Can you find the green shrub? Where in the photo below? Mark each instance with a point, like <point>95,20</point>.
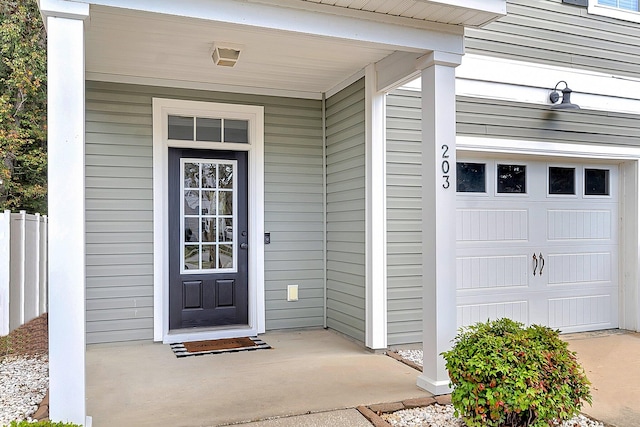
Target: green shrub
<point>40,424</point>
<point>503,374</point>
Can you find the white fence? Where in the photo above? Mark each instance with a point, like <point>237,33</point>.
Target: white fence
<point>23,268</point>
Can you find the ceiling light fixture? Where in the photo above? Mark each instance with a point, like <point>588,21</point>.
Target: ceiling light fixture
<point>225,55</point>
<point>566,104</point>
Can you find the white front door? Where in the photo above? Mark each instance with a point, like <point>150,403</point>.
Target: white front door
<point>537,241</point>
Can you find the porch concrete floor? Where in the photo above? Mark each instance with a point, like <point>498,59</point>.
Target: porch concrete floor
<point>144,384</point>
<point>611,361</point>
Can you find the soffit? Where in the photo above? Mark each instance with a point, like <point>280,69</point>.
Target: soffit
<point>305,47</point>
<point>125,44</point>
<point>477,13</point>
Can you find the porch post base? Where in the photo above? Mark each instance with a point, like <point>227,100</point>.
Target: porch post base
<point>434,387</point>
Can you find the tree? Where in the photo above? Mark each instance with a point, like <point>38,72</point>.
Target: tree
<point>23,103</point>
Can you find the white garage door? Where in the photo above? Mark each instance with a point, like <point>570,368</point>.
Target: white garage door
<point>537,241</point>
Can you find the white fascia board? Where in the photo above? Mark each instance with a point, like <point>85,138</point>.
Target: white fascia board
<point>520,81</point>
<point>310,18</point>
<point>554,149</point>
<point>402,67</point>
<point>491,6</point>
<point>521,73</point>
<point>63,9</point>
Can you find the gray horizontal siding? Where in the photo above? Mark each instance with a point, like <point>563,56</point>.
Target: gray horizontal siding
<point>511,120</point>
<point>404,218</point>
<point>550,32</point>
<point>346,212</point>
<point>119,228</point>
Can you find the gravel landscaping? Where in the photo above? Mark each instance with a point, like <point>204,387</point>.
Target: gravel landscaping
<point>24,371</point>
<point>442,415</point>
<point>24,382</point>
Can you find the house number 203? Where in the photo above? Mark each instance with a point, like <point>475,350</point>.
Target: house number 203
<point>445,166</point>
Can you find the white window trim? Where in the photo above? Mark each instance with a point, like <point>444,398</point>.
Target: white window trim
<point>613,12</point>
<point>255,149</point>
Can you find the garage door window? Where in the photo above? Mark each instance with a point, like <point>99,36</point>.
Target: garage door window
<point>471,177</point>
<point>562,180</point>
<point>512,179</point>
<point>596,182</point>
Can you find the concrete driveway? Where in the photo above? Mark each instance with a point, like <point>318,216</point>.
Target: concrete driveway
<point>611,360</point>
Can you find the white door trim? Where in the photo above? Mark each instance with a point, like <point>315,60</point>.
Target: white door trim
<point>255,149</point>
<point>629,185</point>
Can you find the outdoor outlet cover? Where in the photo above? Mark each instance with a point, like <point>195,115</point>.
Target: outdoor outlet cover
<point>292,293</point>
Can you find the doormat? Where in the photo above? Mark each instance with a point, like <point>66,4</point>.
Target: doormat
<point>226,345</point>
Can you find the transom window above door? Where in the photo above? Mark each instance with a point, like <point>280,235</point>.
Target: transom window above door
<point>207,129</point>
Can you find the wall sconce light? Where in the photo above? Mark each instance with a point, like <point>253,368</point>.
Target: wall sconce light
<point>566,98</point>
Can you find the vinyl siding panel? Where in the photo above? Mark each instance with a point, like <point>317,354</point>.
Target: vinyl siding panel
<point>404,218</point>
<point>512,120</point>
<point>475,117</point>
<point>550,32</point>
<point>346,211</point>
<point>119,228</point>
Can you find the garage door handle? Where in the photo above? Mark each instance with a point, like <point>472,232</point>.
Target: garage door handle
<point>535,264</point>
<point>542,263</point>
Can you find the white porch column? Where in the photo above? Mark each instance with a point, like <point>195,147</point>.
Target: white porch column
<point>66,124</point>
<point>438,215</point>
<point>376,216</point>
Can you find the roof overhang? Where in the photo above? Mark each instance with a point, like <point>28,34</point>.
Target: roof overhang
<point>298,48</point>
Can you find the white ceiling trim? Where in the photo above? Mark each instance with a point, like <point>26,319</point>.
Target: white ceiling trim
<point>345,83</point>
<point>215,87</point>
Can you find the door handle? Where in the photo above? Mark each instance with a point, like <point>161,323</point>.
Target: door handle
<point>542,262</point>
<point>244,246</point>
<point>535,263</point>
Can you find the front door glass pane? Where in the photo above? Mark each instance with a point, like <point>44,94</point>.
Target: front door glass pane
<point>207,215</point>
<point>596,182</point>
<point>209,174</point>
<point>191,202</point>
<point>225,203</point>
<point>208,202</point>
<point>225,256</point>
<point>512,179</point>
<point>562,180</point>
<point>191,230</point>
<point>470,177</point>
<point>225,176</point>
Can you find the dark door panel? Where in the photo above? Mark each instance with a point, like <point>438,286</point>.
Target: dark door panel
<point>208,234</point>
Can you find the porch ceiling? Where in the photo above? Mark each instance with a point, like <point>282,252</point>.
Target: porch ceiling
<point>134,46</point>
<point>296,47</point>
